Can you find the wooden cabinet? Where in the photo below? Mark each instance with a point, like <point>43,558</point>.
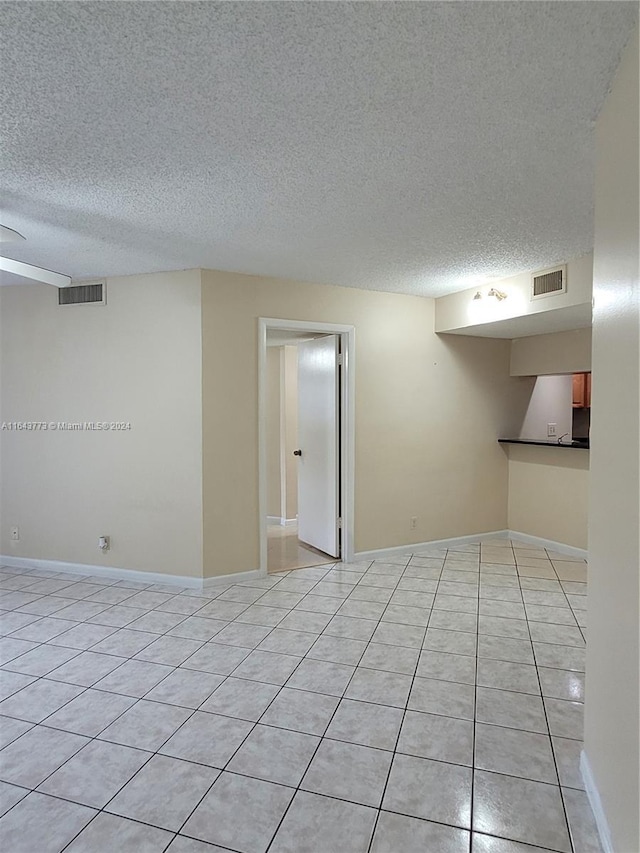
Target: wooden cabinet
<point>581,390</point>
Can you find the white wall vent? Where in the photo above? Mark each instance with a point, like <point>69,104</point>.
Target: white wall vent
<point>549,282</point>
<point>88,293</point>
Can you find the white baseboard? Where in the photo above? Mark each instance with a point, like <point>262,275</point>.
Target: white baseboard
<point>237,577</point>
<point>596,803</point>
<point>274,519</point>
<point>380,553</point>
<point>560,547</point>
<point>283,522</point>
<point>101,571</point>
<point>130,574</point>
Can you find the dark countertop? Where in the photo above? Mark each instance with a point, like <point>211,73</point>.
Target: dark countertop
<point>578,445</point>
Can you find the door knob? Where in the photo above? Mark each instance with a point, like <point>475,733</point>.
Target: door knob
<point>297,453</point>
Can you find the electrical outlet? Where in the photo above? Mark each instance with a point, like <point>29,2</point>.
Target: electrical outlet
<point>15,534</point>
<point>552,430</point>
<point>104,543</point>
<point>413,523</point>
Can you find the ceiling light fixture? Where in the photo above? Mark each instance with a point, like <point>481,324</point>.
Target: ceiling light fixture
<point>499,294</point>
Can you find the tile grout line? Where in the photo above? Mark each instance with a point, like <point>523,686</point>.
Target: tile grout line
<point>546,717</point>
<point>404,711</point>
<point>340,698</point>
<point>475,709</point>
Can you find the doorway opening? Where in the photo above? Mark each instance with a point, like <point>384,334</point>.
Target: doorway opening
<point>305,443</point>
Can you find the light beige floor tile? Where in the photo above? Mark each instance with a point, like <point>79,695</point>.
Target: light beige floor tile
<point>90,712</point>
<point>146,725</point>
<point>185,687</point>
<point>348,771</point>
<point>36,754</point>
<point>131,835</point>
<point>515,710</point>
<point>390,658</point>
<point>570,571</point>
<point>515,753</point>
<point>567,753</point>
<point>240,811</point>
<point>351,628</point>
<point>270,667</point>
<point>42,823</point>
<point>9,796</point>
<point>301,711</point>
<point>447,667</point>
<point>164,792</point>
<point>315,823</point>
<point>582,823</point>
<point>321,677</point>
<point>432,790</point>
<point>562,684</point>
<point>337,650</point>
<point>366,724</point>
<point>385,688</point>
<point>409,636</point>
<point>520,809</point>
<point>437,737</point>
<point>95,774</point>
<point>491,844</point>
<point>237,697</point>
<point>453,642</point>
<point>207,739</point>
<point>275,755</point>
<point>442,697</point>
<point>565,718</point>
<point>396,832</point>
<point>36,701</point>
<point>560,657</point>
<point>505,648</point>
<point>134,678</point>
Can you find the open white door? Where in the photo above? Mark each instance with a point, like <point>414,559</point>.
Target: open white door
<point>318,442</point>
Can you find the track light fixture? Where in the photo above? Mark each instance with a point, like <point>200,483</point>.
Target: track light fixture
<point>499,294</point>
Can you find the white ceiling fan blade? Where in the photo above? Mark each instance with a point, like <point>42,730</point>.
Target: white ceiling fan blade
<point>8,235</point>
<point>57,279</point>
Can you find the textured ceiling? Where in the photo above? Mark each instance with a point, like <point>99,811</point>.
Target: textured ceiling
<point>407,147</point>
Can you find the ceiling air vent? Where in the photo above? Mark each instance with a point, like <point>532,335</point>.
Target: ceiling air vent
<point>549,282</point>
<point>89,293</point>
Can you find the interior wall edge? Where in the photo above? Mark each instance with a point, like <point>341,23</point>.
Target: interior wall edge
<point>593,795</point>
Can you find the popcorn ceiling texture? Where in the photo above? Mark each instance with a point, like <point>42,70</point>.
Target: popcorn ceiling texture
<point>395,146</point>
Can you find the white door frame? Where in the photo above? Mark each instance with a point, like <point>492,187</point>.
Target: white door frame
<point>347,425</point>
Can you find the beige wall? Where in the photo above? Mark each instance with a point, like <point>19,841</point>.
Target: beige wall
<point>550,402</point>
<point>273,431</point>
<point>428,412</point>
<point>460,310</point>
<point>613,660</point>
<point>562,352</point>
<point>549,492</point>
<point>136,359</point>
<point>290,416</point>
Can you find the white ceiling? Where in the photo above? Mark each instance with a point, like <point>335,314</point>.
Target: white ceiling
<point>396,146</point>
<point>545,322</point>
